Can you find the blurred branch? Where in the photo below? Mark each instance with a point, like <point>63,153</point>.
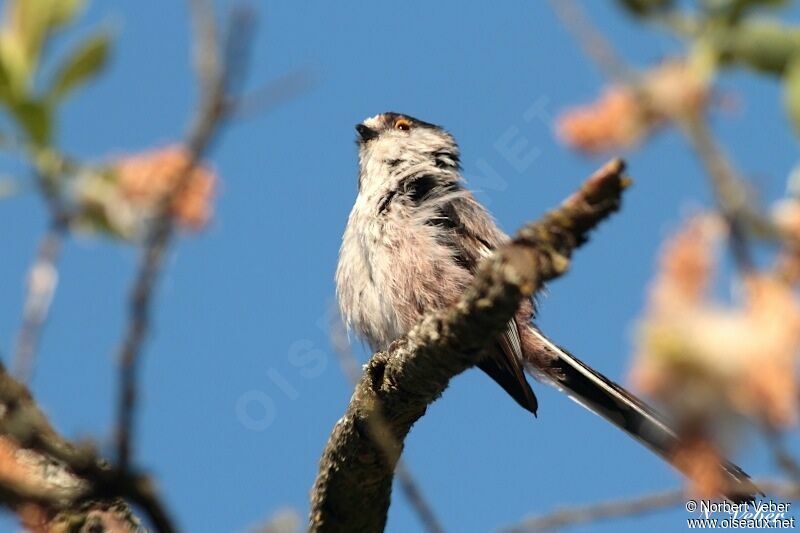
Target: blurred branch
<point>593,43</point>
<point>272,94</point>
<point>568,516</point>
<point>41,285</point>
<point>729,188</point>
<point>83,477</point>
<point>213,77</point>
<point>43,273</point>
<point>97,485</point>
<point>379,433</point>
<point>399,384</point>
<point>782,456</point>
<point>283,521</point>
<point>649,503</point>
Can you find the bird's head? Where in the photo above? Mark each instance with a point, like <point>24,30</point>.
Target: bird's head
<point>390,144</point>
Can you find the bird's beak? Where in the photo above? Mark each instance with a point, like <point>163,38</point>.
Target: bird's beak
<point>365,133</point>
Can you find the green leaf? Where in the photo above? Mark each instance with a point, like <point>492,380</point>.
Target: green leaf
<point>6,88</point>
<point>744,5</point>
<point>766,46</point>
<point>34,117</point>
<point>791,92</point>
<point>62,12</point>
<point>27,27</point>
<point>85,62</point>
<point>643,8</point>
<point>733,11</point>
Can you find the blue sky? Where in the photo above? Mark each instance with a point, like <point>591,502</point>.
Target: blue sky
<point>243,303</point>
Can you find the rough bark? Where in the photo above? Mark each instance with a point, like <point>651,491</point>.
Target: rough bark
<point>55,485</point>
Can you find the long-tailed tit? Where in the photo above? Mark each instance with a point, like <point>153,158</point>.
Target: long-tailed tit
<point>412,243</point>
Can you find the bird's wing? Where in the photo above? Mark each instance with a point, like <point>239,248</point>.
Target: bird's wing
<point>472,234</point>
<point>507,370</point>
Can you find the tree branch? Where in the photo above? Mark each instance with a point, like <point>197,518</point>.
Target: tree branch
<point>408,484</point>
<point>729,188</point>
<point>75,475</point>
<point>41,285</point>
<point>43,273</point>
<point>593,43</point>
<point>214,77</point>
<point>399,384</point>
<point>639,505</point>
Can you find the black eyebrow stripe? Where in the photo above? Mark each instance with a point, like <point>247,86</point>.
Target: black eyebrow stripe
<point>392,116</point>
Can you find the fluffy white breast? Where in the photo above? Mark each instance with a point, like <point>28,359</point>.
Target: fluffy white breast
<point>361,277</point>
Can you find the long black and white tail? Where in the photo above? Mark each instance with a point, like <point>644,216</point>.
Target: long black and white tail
<point>609,400</point>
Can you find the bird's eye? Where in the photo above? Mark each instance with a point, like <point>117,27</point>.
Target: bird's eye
<point>402,124</point>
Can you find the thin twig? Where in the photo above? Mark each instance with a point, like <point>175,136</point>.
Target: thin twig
<point>783,457</point>
<point>416,498</point>
<point>729,189</point>
<point>49,166</point>
<point>408,484</point>
<point>269,96</point>
<point>568,516</point>
<point>41,285</point>
<point>638,505</point>
<point>220,70</point>
<point>593,43</point>
<point>207,123</point>
<point>26,424</point>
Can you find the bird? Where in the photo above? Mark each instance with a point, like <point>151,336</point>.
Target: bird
<point>412,244</point>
